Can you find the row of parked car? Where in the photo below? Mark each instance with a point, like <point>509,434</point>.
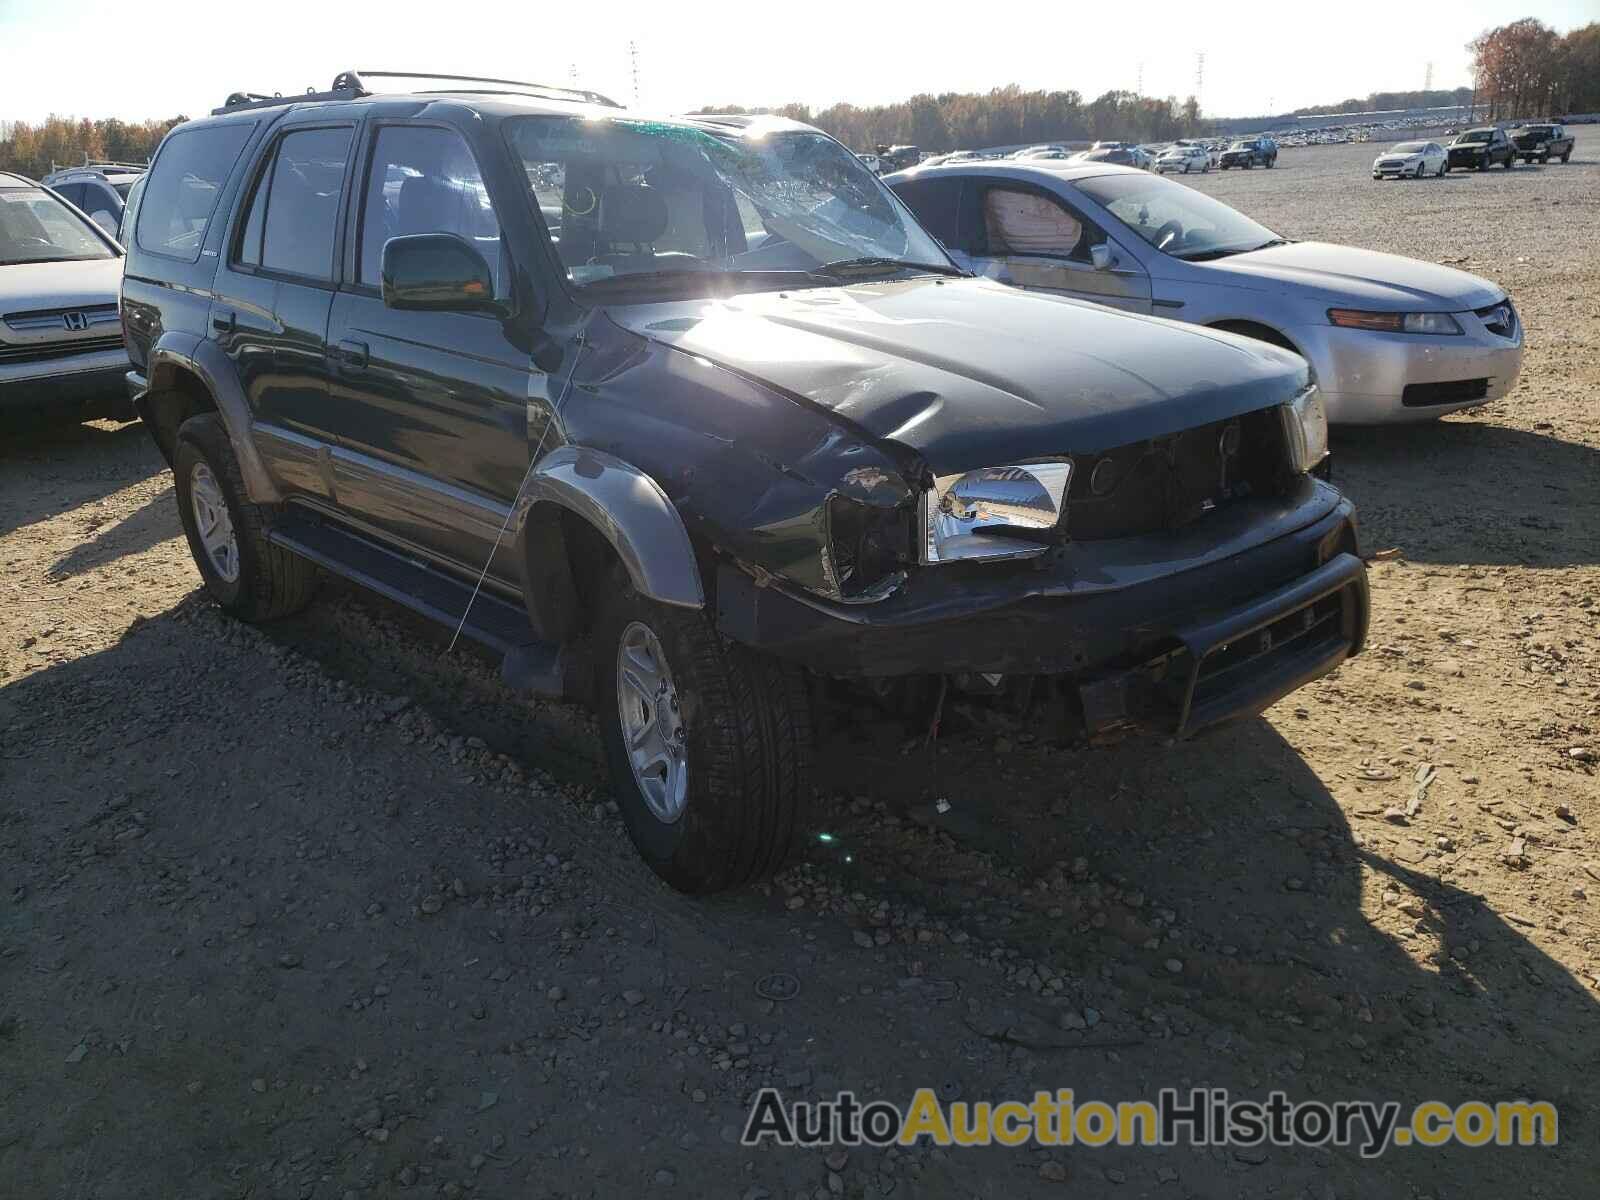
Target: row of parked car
<point>694,418</point>
<point>1476,149</point>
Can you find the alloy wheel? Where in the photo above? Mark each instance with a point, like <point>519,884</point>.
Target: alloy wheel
<point>652,722</point>
<point>213,522</point>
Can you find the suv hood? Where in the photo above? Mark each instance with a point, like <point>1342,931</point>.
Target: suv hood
<point>28,286</point>
<point>1362,278</point>
<point>971,373</point>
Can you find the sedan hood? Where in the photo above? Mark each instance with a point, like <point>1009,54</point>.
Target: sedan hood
<point>25,287</point>
<point>1360,278</point>
<point>970,373</point>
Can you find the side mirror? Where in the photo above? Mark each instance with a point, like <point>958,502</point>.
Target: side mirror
<point>437,272</point>
<point>1101,257</point>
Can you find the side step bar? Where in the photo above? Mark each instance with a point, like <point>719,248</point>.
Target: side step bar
<point>529,664</point>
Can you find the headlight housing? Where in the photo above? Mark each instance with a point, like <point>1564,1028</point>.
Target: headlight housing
<point>1387,322</point>
<point>1305,428</point>
<point>990,513</point>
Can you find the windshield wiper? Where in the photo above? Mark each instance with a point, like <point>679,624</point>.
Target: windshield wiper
<point>1229,251</point>
<point>868,262</point>
<point>681,274</point>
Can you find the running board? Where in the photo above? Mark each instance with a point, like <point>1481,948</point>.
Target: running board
<point>529,664</point>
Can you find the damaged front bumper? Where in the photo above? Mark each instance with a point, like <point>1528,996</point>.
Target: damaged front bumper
<point>1174,632</point>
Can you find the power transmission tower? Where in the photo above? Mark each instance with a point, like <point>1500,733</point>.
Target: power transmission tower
<point>1138,87</point>
<point>1199,74</point>
<point>1427,79</point>
<point>633,56</point>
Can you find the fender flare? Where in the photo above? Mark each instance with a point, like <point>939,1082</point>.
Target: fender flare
<point>630,511</point>
<point>174,352</point>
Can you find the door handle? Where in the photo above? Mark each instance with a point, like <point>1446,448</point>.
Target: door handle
<point>352,355</point>
<point>225,322</point>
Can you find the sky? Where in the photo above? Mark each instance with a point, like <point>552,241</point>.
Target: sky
<point>157,59</point>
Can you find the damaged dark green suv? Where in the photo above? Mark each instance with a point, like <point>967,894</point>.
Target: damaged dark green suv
<point>679,414</point>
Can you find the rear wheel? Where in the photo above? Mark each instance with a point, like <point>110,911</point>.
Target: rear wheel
<point>1511,161</point>
<point>708,744</point>
<point>1567,156</point>
<point>245,574</point>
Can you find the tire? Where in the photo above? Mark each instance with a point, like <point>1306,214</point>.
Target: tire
<point>257,581</point>
<point>742,721</point>
<point>1567,157</point>
<point>1511,161</point>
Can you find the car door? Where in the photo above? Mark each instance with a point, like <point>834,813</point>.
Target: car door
<point>273,294</point>
<point>433,405</point>
<point>1024,235</point>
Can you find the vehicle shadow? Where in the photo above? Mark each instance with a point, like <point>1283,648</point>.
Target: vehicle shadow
<point>1294,952</point>
<point>1530,495</point>
<point>117,455</point>
<point>153,521</point>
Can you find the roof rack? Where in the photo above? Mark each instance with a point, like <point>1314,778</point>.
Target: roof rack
<point>352,85</point>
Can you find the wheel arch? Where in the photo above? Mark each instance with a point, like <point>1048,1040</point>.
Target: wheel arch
<point>585,509</point>
<point>1260,330</point>
<point>189,375</point>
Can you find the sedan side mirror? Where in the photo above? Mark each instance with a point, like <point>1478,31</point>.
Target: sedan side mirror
<point>437,272</point>
<point>1101,257</point>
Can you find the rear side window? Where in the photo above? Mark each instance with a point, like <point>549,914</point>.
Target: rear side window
<point>295,209</point>
<point>184,186</point>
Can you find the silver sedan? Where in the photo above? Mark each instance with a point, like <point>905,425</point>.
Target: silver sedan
<point>1387,338</point>
<point>1411,160</point>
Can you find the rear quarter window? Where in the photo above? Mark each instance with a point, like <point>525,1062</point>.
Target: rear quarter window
<point>184,186</point>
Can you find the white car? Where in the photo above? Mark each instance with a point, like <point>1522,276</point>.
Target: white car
<point>1411,160</point>
<point>1183,158</point>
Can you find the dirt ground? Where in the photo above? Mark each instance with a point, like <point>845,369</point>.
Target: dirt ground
<point>315,910</point>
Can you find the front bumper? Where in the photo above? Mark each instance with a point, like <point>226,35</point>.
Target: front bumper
<point>81,387</point>
<point>1364,375</point>
<point>1173,631</point>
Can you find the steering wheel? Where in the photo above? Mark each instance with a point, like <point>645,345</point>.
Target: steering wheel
<point>1168,234</point>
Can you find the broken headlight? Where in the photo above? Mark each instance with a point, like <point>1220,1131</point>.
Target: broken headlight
<point>993,512</point>
<point>1305,428</point>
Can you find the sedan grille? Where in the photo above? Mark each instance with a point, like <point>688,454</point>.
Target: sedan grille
<point>1169,482</point>
<point>1498,318</point>
<point>1457,391</point>
<point>56,320</point>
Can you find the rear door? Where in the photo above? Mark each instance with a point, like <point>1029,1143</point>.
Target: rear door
<point>433,406</point>
<point>274,292</point>
<point>1032,238</point>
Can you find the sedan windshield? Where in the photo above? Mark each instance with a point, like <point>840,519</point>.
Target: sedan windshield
<point>35,227</point>
<point>1175,219</point>
<point>647,203</point>
<point>1409,148</point>
<point>1477,135</point>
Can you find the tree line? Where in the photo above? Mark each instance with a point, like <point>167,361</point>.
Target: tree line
<point>35,150</point>
<point>1391,101</point>
<point>1528,70</point>
<point>1005,116</point>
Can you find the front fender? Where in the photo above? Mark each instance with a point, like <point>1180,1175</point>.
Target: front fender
<point>176,352</point>
<point>631,511</point>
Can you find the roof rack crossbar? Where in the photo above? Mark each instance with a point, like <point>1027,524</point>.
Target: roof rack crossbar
<point>358,79</point>
<point>352,85</point>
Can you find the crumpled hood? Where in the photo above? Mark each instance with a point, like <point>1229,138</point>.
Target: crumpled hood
<point>28,286</point>
<point>1361,278</point>
<point>971,373</point>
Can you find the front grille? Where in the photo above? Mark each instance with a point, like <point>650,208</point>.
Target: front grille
<point>1390,164</point>
<point>1459,391</point>
<point>56,319</point>
<point>45,351</point>
<point>1168,482</point>
<point>1498,318</point>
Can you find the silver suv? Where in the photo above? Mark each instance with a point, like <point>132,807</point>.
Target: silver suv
<point>61,353</point>
<point>98,189</point>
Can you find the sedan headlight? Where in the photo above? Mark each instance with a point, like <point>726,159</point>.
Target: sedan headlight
<point>1386,322</point>
<point>1305,428</point>
<point>990,513</point>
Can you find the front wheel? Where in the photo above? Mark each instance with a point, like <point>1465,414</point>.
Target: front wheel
<point>708,743</point>
<point>1567,157</point>
<point>1511,161</point>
